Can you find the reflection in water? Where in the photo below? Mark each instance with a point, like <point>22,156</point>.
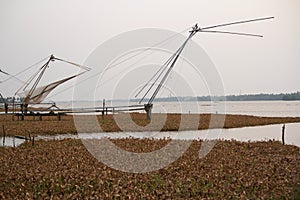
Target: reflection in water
<point>11,141</point>
<point>257,133</point>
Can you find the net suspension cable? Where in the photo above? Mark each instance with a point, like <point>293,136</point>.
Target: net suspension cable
<point>112,65</point>
<point>170,65</point>
<point>36,77</point>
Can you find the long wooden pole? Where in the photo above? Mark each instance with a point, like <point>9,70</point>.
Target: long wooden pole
<point>3,129</point>
<point>283,130</point>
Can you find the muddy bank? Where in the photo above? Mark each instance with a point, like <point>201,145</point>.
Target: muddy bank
<point>52,126</point>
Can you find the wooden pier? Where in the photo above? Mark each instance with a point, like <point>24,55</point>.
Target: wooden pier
<point>39,114</point>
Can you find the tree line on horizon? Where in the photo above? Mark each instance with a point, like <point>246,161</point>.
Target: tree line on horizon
<point>263,97</point>
<point>245,97</point>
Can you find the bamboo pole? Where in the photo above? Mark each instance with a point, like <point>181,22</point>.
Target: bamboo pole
<point>282,131</point>
<point>3,129</point>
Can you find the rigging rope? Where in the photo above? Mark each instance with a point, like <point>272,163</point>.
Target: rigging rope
<point>170,68</point>
<point>160,74</point>
<point>175,55</point>
<point>26,69</point>
<point>146,49</point>
<point>192,33</point>
<point>116,64</point>
<point>75,64</point>
<point>161,68</point>
<point>39,74</point>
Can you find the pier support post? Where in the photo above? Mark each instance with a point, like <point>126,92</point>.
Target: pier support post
<point>283,130</point>
<point>3,129</point>
<point>6,108</point>
<point>103,109</point>
<point>148,109</point>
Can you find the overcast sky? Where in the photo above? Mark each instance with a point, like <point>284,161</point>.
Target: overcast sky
<point>34,29</point>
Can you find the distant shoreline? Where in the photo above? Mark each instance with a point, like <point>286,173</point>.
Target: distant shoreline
<point>294,96</point>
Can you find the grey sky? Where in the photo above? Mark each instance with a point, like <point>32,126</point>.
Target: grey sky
<point>32,30</point>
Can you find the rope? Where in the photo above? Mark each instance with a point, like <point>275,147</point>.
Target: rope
<point>161,68</point>
<point>37,80</point>
<point>115,64</point>
<point>177,53</point>
<point>149,48</point>
<point>192,33</point>
<point>170,68</point>
<point>41,72</point>
<point>26,69</point>
<point>160,74</point>
<point>75,64</point>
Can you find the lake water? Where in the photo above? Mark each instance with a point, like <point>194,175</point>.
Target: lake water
<point>11,141</point>
<point>257,133</point>
<point>257,108</point>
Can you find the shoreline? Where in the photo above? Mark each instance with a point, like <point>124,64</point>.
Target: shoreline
<point>52,126</point>
<point>66,169</point>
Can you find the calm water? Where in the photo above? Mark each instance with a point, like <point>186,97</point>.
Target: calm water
<point>11,141</point>
<point>258,133</point>
<point>257,108</point>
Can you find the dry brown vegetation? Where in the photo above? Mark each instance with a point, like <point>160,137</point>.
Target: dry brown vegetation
<point>65,170</point>
<point>51,126</point>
